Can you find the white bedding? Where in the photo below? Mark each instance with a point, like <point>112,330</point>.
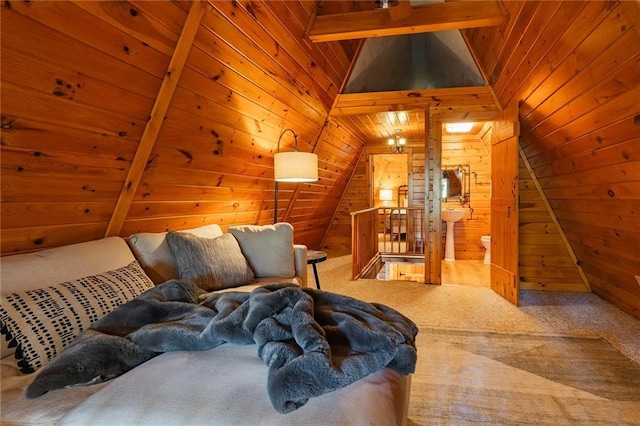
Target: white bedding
<point>224,386</point>
<point>15,409</point>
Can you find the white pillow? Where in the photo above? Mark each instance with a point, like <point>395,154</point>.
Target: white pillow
<point>267,248</point>
<point>153,253</point>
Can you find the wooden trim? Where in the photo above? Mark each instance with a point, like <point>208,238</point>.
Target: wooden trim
<point>565,241</point>
<point>409,100</point>
<point>485,77</point>
<point>432,200</point>
<point>152,128</point>
<point>424,18</point>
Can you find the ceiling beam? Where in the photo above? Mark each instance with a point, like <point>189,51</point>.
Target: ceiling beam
<point>477,99</point>
<point>424,18</point>
<point>152,128</point>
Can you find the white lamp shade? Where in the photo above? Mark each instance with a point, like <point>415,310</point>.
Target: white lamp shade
<point>295,167</point>
<point>386,195</point>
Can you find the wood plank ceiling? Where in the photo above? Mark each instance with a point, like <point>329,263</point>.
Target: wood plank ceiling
<point>83,85</point>
<point>80,81</point>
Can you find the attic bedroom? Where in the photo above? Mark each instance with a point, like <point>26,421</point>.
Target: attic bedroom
<point>138,119</point>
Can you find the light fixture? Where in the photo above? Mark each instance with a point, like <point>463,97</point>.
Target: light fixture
<point>292,167</point>
<point>385,4</point>
<point>397,144</point>
<point>458,127</point>
<point>385,196</point>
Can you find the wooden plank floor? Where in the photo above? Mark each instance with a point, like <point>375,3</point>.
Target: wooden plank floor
<point>466,272</point>
<point>461,272</point>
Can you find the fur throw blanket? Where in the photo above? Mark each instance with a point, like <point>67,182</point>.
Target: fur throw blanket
<point>312,341</point>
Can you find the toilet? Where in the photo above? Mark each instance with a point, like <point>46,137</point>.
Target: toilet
<point>486,243</point>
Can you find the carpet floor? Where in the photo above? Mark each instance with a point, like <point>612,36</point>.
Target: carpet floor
<point>558,358</point>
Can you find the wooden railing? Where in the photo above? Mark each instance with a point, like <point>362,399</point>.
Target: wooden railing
<point>401,230</point>
<point>384,231</point>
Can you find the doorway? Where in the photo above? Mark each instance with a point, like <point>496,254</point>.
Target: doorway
<point>467,155</point>
<point>389,173</point>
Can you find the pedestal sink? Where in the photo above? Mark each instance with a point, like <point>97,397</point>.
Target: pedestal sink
<point>450,216</point>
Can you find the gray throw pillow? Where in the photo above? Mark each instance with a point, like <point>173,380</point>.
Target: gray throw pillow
<point>267,248</point>
<point>210,263</point>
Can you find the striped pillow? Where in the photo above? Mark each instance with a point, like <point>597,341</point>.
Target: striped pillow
<point>42,322</point>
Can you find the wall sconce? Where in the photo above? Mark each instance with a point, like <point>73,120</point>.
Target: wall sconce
<point>385,196</point>
<point>292,167</point>
<point>397,144</point>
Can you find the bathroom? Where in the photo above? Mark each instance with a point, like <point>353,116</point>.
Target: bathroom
<point>474,149</point>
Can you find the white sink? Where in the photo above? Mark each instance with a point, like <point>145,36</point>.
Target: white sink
<point>451,216</point>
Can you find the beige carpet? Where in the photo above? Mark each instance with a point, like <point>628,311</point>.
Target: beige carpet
<point>559,358</point>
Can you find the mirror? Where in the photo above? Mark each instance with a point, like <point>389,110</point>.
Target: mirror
<point>455,182</point>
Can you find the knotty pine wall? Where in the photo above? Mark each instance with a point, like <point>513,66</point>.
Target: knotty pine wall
<point>545,262</point>
<point>461,149</point>
<point>79,85</point>
<point>575,67</point>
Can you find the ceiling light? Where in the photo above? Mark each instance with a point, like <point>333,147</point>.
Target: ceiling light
<point>458,127</point>
<point>397,144</point>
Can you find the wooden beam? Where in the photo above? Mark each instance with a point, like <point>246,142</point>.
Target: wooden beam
<point>152,128</point>
<point>408,100</point>
<point>423,18</point>
<point>401,10</point>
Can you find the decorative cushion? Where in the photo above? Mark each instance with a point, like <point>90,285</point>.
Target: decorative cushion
<point>153,253</point>
<point>210,263</point>
<point>267,248</point>
<point>42,322</point>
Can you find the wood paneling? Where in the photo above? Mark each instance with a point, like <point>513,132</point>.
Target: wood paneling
<point>75,98</point>
<point>80,80</point>
<point>576,68</point>
<point>465,149</point>
<point>545,261</point>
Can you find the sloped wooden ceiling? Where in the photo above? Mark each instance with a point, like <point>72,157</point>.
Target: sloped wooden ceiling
<point>575,69</point>
<point>80,81</point>
<point>83,83</point>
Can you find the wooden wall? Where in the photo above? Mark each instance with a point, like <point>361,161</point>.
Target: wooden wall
<point>545,260</point>
<point>82,82</point>
<point>575,67</point>
<point>461,149</point>
<point>80,87</point>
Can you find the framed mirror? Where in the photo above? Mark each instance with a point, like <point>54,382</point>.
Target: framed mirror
<point>456,183</point>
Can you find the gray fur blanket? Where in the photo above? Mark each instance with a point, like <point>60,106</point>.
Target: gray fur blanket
<point>312,341</point>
